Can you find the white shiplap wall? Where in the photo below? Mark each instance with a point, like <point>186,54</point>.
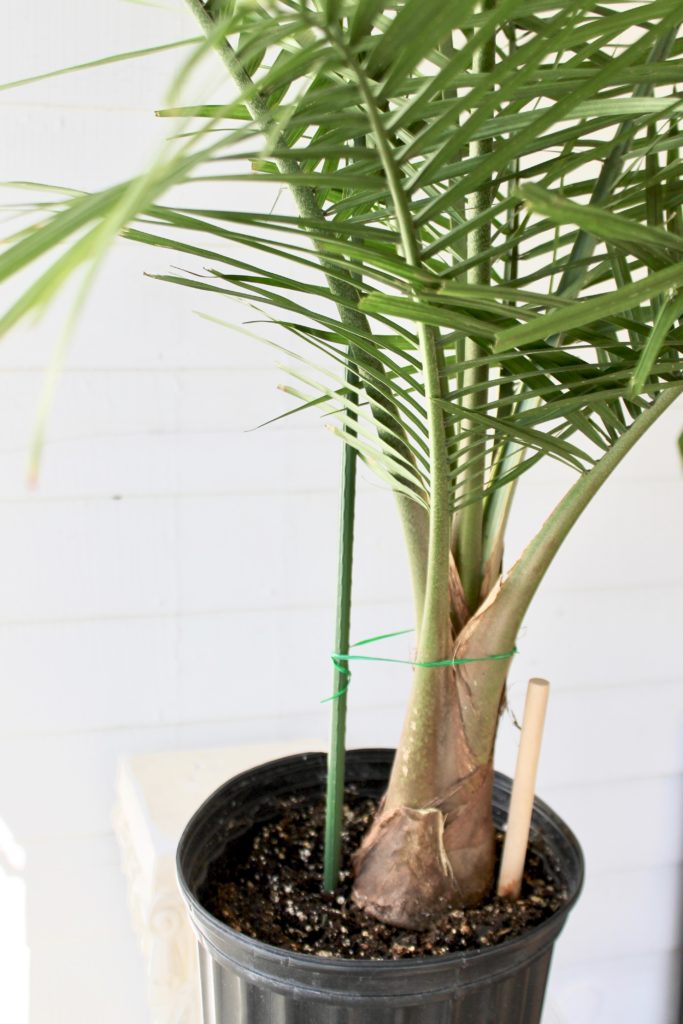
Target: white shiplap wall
<point>170,584</point>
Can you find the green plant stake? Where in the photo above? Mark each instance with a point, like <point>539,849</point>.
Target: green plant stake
<point>334,804</point>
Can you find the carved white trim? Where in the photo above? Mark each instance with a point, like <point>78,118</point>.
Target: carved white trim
<point>156,794</point>
<point>166,940</point>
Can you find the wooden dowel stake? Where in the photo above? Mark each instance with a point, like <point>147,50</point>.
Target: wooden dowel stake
<point>523,787</point>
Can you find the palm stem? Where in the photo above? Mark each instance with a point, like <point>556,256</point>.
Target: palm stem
<point>496,624</point>
<point>523,580</point>
<point>384,410</point>
<point>412,778</point>
<point>470,522</point>
<point>336,759</point>
<point>435,614</point>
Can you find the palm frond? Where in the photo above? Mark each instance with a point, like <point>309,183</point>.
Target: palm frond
<point>551,335</point>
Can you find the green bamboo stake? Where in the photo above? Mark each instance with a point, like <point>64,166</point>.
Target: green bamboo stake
<point>336,761</point>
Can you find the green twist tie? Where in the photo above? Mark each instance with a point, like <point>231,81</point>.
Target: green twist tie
<point>340,661</point>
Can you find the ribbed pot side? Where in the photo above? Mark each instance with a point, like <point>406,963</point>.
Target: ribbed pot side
<point>248,982</point>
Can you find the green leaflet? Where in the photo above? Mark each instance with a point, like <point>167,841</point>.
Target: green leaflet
<point>588,311</point>
<point>637,238</point>
<point>101,61</point>
<point>669,313</point>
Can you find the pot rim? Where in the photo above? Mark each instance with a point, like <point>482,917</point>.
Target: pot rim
<point>335,964</point>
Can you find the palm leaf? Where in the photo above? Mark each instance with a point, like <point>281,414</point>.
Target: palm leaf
<point>529,127</point>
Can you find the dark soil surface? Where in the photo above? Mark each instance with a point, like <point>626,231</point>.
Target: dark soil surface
<point>270,888</point>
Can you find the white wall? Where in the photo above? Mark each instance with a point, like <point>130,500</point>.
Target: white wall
<point>170,583</point>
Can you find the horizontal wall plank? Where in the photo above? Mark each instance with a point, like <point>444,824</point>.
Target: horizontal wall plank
<point>62,987</point>
<point>603,734</point>
<point>81,560</point>
<point>77,33</point>
<point>627,990</point>
<point>624,824</point>
<point>77,676</point>
<point>624,913</point>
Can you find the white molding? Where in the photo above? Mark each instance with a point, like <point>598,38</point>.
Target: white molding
<point>156,795</point>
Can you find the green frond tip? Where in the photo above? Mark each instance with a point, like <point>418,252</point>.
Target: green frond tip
<point>114,58</point>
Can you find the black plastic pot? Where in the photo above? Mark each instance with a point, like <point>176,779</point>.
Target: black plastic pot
<point>248,982</point>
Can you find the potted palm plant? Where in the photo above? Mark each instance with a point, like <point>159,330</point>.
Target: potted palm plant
<point>480,269</point>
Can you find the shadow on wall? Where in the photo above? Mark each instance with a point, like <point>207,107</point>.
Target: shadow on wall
<point>677,1017</point>
<point>61,896</point>
<point>14,954</point>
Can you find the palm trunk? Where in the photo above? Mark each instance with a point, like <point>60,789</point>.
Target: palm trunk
<point>431,847</point>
